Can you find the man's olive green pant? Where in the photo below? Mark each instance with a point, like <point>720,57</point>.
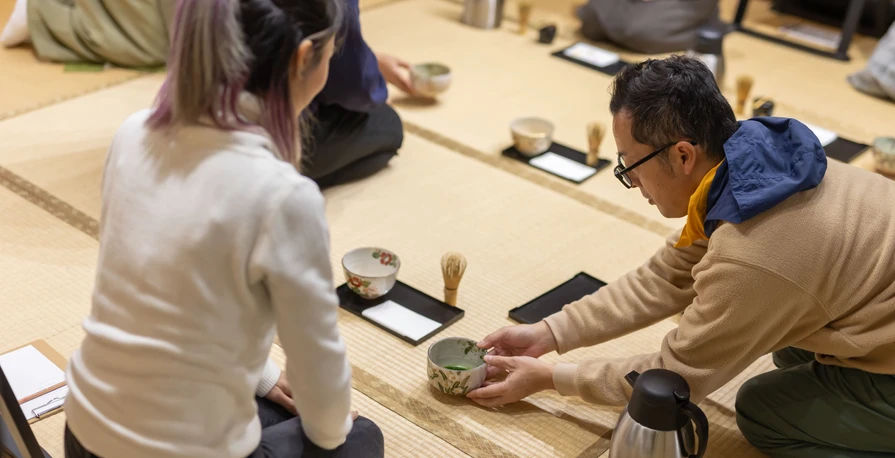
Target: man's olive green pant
<point>806,409</point>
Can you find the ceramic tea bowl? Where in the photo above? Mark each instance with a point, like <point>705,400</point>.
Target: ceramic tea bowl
<point>430,79</point>
<point>371,272</point>
<point>532,136</point>
<point>456,366</point>
<point>884,155</point>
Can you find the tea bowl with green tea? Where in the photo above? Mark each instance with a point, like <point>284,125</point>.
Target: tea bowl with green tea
<point>456,366</point>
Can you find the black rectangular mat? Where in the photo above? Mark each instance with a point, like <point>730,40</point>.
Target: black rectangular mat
<point>408,297</point>
<point>610,70</point>
<point>845,150</point>
<point>554,300</point>
<point>563,151</point>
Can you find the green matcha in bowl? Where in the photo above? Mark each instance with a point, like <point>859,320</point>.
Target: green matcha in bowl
<point>456,366</point>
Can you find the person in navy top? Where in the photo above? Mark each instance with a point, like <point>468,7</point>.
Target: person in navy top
<point>354,132</point>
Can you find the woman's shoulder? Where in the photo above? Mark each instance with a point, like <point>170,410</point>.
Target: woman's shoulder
<point>135,122</point>
<point>286,193</point>
<point>300,196</point>
<point>245,160</point>
<point>133,130</point>
<point>194,142</point>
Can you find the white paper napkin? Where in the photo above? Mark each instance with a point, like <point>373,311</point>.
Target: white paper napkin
<point>401,320</point>
<point>563,166</point>
<point>825,136</point>
<point>592,54</point>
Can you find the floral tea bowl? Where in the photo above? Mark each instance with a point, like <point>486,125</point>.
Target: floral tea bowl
<point>371,272</point>
<point>456,366</point>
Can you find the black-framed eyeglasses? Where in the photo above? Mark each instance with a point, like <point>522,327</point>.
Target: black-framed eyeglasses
<point>621,172</point>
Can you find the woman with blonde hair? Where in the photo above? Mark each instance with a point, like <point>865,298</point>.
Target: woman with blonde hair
<point>210,242</point>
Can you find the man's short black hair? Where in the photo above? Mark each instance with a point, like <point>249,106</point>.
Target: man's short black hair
<point>673,99</point>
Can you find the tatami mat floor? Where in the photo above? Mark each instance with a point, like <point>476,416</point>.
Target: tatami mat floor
<point>523,231</point>
<point>27,84</point>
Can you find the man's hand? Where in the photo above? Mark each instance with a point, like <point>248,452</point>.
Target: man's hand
<point>533,340</point>
<point>396,72</point>
<point>527,376</point>
<point>281,393</point>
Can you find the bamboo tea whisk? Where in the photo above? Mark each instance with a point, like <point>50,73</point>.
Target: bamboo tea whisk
<point>744,86</point>
<point>595,133</point>
<point>453,266</point>
<point>524,16</point>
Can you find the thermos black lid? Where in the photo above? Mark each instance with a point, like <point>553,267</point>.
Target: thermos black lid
<point>709,41</point>
<point>658,399</point>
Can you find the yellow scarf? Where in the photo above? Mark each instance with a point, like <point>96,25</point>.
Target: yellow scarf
<point>696,211</point>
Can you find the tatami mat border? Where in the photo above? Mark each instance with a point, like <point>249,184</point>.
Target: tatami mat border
<point>43,199</point>
<point>537,177</point>
<point>425,417</point>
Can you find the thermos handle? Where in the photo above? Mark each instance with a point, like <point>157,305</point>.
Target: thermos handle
<point>702,426</point>
<point>631,378</point>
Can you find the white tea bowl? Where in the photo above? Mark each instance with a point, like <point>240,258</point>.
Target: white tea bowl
<point>371,272</point>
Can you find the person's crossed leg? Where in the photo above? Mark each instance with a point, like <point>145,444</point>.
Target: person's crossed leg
<point>283,437</point>
<point>348,146</point>
<point>808,409</point>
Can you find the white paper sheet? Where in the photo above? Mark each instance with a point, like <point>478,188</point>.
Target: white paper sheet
<point>45,404</point>
<point>562,166</point>
<point>812,34</point>
<point>825,136</point>
<point>29,371</point>
<point>591,54</point>
<point>401,320</point>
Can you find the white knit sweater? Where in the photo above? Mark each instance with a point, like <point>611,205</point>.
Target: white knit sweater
<point>208,244</point>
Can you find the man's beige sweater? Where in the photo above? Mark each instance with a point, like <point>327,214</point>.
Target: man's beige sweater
<point>816,272</point>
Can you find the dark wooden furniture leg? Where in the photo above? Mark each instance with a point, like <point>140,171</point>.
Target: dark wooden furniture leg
<point>849,26</point>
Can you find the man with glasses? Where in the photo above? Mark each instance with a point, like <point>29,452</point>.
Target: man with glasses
<point>782,252</point>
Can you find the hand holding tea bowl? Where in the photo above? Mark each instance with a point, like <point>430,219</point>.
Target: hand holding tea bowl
<point>514,351</point>
<point>371,272</point>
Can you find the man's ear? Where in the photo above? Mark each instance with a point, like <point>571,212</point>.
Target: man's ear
<point>685,155</point>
